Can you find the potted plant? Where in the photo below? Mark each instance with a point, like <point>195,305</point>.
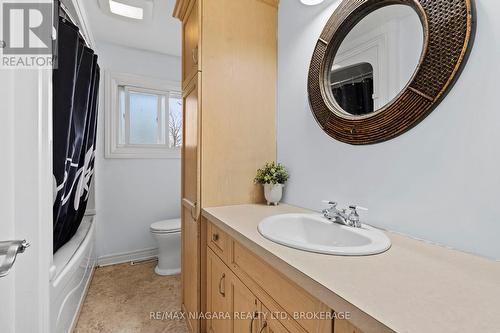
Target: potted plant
<point>273,177</point>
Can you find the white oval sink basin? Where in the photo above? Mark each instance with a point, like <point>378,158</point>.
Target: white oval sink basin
<point>314,233</point>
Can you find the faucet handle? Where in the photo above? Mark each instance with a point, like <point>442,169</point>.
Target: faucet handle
<point>332,212</point>
<point>353,217</point>
<point>354,207</point>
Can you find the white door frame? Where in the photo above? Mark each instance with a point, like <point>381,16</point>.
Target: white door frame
<point>26,189</point>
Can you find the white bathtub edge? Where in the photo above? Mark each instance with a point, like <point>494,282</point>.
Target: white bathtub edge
<point>82,299</point>
<point>69,288</point>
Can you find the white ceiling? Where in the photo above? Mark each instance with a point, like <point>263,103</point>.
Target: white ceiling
<point>161,34</point>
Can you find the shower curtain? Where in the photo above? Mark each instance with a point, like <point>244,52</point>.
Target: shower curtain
<point>356,98</point>
<point>75,98</point>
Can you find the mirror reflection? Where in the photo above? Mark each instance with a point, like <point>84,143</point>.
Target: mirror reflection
<point>376,59</point>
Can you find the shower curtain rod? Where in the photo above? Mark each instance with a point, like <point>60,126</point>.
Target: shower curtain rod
<point>352,79</point>
<point>70,18</point>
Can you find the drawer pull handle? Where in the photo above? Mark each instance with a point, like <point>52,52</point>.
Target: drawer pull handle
<point>195,206</point>
<point>264,325</point>
<point>254,316</point>
<point>222,290</point>
<point>215,237</point>
<point>195,55</point>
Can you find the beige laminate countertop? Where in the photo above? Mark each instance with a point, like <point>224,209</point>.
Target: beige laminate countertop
<point>414,287</point>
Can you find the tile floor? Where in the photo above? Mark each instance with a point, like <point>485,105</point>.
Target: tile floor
<point>122,297</point>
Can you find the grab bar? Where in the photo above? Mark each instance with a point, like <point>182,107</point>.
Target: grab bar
<point>10,249</point>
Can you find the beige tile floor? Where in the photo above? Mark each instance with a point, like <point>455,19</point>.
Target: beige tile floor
<point>121,299</point>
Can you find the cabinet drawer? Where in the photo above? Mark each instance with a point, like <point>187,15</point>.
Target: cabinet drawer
<point>218,241</point>
<point>293,299</point>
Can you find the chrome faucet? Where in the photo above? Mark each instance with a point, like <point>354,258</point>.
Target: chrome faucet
<point>343,216</point>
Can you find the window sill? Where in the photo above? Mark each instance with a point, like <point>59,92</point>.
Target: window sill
<point>143,153</point>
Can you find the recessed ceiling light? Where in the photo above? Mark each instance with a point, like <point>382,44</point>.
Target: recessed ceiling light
<point>123,9</point>
<point>311,2</point>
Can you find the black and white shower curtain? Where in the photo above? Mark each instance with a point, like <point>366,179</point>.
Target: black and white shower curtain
<point>75,99</point>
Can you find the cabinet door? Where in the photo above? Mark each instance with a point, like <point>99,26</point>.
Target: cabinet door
<point>269,323</point>
<point>244,308</point>
<point>344,326</point>
<point>191,247</point>
<point>191,144</point>
<point>190,47</point>
<point>190,267</point>
<point>219,293</point>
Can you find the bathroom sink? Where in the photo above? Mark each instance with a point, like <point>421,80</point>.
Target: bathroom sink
<point>314,233</point>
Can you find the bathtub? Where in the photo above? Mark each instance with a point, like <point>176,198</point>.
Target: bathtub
<point>71,272</point>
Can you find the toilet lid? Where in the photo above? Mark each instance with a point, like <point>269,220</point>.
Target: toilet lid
<point>166,226</point>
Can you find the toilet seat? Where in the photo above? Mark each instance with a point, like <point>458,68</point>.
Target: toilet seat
<point>166,226</point>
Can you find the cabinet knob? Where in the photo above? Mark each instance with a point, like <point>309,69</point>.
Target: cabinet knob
<point>215,237</point>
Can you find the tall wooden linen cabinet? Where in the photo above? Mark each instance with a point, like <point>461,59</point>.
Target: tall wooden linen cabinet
<point>229,51</point>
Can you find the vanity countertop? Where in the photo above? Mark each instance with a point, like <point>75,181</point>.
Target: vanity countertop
<point>414,287</point>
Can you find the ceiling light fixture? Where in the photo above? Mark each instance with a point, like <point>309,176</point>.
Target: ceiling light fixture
<point>123,9</point>
<point>311,2</point>
<point>136,10</point>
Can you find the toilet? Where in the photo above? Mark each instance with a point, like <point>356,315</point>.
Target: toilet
<point>167,234</point>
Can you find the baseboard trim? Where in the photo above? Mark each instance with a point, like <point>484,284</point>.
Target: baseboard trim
<point>120,258</point>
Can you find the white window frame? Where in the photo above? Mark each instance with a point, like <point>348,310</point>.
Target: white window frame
<point>159,116</point>
<point>113,148</point>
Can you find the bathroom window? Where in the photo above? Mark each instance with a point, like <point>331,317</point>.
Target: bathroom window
<point>150,117</point>
<point>145,119</point>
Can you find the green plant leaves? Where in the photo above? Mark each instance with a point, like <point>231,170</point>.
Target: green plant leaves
<point>272,173</point>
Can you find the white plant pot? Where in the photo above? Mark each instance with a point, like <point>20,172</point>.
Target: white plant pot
<point>273,193</point>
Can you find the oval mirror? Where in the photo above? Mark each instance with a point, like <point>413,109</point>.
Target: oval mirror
<point>380,67</point>
<point>376,60</point>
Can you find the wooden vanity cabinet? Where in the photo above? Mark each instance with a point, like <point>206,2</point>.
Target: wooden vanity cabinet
<point>229,67</point>
<point>239,282</point>
<point>231,306</point>
<point>252,287</point>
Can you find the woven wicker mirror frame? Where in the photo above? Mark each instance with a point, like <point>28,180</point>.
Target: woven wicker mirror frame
<point>448,26</point>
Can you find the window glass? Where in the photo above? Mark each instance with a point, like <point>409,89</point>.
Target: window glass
<point>148,118</point>
<point>121,99</point>
<point>175,120</point>
<point>143,118</point>
<point>164,121</point>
